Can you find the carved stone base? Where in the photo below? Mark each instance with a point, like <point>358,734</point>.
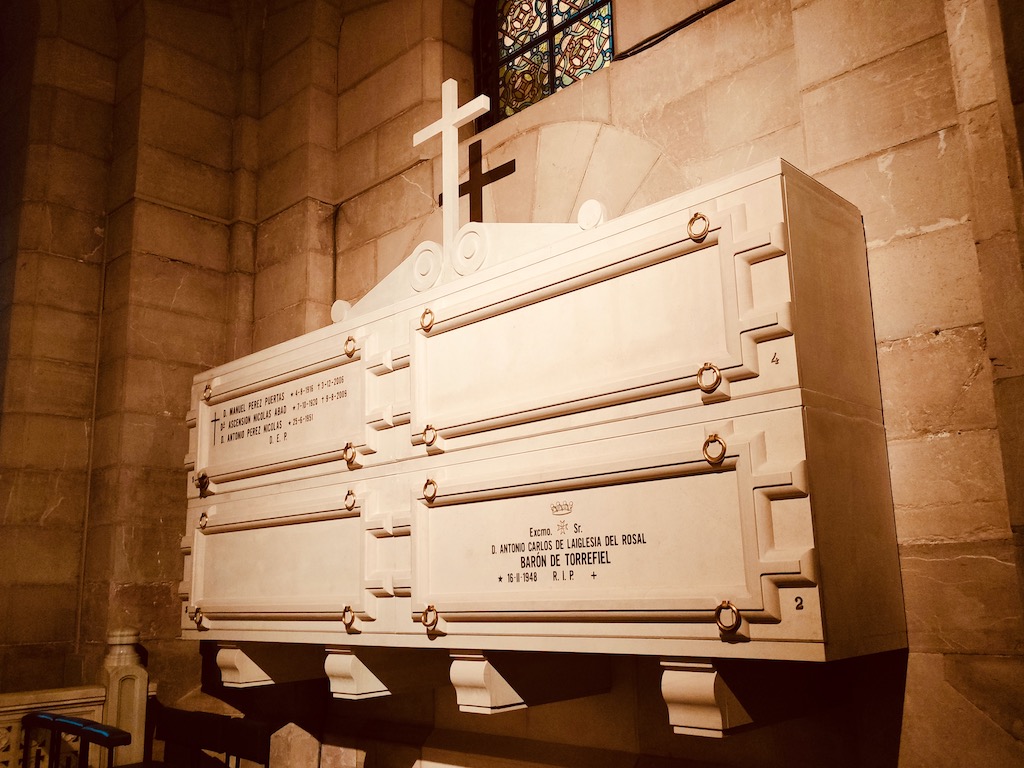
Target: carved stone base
<point>699,702</point>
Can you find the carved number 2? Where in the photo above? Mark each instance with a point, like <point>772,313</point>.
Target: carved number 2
<point>799,603</point>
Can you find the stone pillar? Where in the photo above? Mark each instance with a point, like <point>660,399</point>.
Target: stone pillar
<point>127,684</point>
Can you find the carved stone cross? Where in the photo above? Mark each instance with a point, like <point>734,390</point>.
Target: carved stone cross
<point>452,118</point>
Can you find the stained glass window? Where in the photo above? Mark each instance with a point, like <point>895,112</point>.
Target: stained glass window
<point>528,49</point>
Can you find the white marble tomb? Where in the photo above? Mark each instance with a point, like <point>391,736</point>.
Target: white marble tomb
<point>657,435</point>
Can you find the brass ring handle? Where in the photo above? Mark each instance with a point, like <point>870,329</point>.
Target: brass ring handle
<point>429,435</point>
<point>427,319</point>
<point>716,378</point>
<point>208,393</point>
<point>203,519</point>
<point>693,232</point>
<point>349,453</point>
<point>718,458</point>
<point>430,490</point>
<point>197,617</point>
<point>429,617</point>
<point>350,500</point>
<point>348,616</point>
<point>728,629</point>
<point>350,346</point>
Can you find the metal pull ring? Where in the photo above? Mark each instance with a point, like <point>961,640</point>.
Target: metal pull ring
<point>427,319</point>
<point>731,627</point>
<point>429,617</point>
<point>716,378</point>
<point>207,393</point>
<point>698,227</point>
<point>429,490</point>
<point>429,435</point>
<point>350,346</point>
<point>350,500</point>
<point>203,519</point>
<point>349,453</point>
<point>718,458</point>
<point>197,617</point>
<point>348,617</point>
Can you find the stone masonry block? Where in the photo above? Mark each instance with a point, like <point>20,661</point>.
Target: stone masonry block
<point>183,183</point>
<point>173,337</point>
<point>246,143</point>
<point>177,286</point>
<point>297,232</point>
<point>374,36</point>
<point>122,177</point>
<point>179,126</point>
<point>43,497</point>
<point>386,206</point>
<point>941,723</point>
<point>758,100</point>
<point>309,171</point>
<point>948,471</point>
<point>837,36</point>
<point>175,71</point>
<point>618,166</point>
<point>242,249</point>
<point>1010,404</point>
<point>106,448</point>
<point>111,386</point>
<point>286,29</point>
<point>180,236</point>
<point>936,383</point>
<point>41,554</point>
<point>313,63</point>
<point>962,598</point>
<point>910,94</point>
<point>154,608</point>
<point>280,286</point>
<point>209,37</point>
<point>360,108</point>
<point>244,185</point>
<point>1002,290</point>
<point>926,282</point>
<point>64,231</point>
<point>139,449</point>
<point>91,24</point>
<point>967,27</point>
<point>307,117</point>
<point>43,441</point>
<point>64,64</point>
<point>910,190</point>
<point>994,205</point>
<point>564,151</point>
<point>45,612</point>
<point>356,162</point>
<point>281,326</point>
<point>82,124</point>
<point>153,386</point>
<point>129,69</point>
<point>47,386</point>
<point>150,496</point>
<point>636,20</point>
<point>356,272</point>
<point>317,315</point>
<point>392,144</point>
<point>43,278</point>
<point>58,175</point>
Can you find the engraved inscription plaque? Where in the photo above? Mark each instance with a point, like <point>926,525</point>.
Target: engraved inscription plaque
<point>307,420</point>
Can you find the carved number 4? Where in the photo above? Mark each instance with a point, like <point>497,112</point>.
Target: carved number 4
<point>799,603</point>
<point>775,359</point>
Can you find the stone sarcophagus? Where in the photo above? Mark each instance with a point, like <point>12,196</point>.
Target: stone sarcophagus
<point>657,435</point>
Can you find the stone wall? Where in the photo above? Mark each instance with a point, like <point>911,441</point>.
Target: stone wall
<point>191,180</point>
